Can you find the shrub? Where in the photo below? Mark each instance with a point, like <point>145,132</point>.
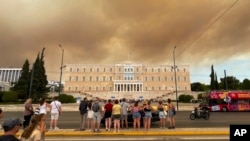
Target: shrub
<point>64,98</point>
<point>1,95</point>
<point>10,97</point>
<point>185,98</point>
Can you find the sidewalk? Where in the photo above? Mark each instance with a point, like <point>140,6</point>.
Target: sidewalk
<point>141,132</point>
<point>75,106</point>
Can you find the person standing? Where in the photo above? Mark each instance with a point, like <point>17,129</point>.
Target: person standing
<point>1,116</point>
<point>90,115</point>
<point>107,114</point>
<point>136,116</point>
<point>148,115</point>
<point>125,108</point>
<point>83,112</point>
<point>162,115</point>
<point>171,109</point>
<point>28,112</point>
<point>1,113</point>
<point>55,111</point>
<point>96,107</point>
<point>43,111</point>
<point>10,126</point>
<point>116,112</point>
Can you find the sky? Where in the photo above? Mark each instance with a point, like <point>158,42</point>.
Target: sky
<point>204,32</point>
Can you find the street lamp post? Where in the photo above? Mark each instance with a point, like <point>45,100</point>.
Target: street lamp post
<point>60,85</point>
<point>176,94</point>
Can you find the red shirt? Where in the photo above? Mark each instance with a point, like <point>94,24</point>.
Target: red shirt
<point>108,107</point>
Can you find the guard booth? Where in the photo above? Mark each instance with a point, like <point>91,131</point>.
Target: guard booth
<point>140,98</point>
<point>78,99</point>
<point>112,98</point>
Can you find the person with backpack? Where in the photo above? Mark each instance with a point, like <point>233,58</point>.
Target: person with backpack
<point>124,117</point>
<point>96,108</point>
<point>83,112</point>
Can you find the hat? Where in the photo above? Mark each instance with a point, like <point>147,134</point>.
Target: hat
<point>11,123</point>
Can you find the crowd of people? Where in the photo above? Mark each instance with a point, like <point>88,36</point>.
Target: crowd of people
<point>34,126</point>
<point>91,114</point>
<point>117,111</point>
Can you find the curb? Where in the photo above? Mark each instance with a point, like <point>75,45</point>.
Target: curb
<point>151,133</point>
<point>131,133</point>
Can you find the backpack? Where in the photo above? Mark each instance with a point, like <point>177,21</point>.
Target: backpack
<point>37,111</point>
<point>95,107</point>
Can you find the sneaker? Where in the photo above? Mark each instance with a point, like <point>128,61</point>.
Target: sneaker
<point>98,131</point>
<point>56,128</point>
<point>50,128</point>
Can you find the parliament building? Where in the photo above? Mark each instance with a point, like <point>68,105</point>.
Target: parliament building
<point>125,80</point>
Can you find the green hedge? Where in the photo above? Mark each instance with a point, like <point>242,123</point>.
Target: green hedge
<point>64,98</point>
<point>10,97</point>
<point>185,98</point>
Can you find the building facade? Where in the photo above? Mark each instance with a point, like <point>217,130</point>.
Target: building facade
<point>10,74</point>
<point>127,79</point>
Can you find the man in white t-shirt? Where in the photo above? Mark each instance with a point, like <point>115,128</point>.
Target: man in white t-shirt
<point>55,111</point>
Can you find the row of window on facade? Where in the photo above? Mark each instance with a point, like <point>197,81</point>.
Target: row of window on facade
<point>111,89</point>
<point>127,70</point>
<point>127,78</point>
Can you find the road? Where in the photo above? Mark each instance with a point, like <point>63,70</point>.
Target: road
<point>70,120</point>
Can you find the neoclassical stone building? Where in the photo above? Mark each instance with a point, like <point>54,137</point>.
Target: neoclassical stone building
<point>126,79</point>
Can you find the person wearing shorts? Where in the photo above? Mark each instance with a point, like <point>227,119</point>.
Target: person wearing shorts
<point>107,114</point>
<point>116,111</point>
<point>55,111</point>
<point>125,108</point>
<point>97,117</point>
<point>162,115</point>
<point>90,115</point>
<point>136,116</point>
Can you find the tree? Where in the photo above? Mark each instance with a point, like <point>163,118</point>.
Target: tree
<point>245,84</point>
<point>232,83</point>
<point>216,83</point>
<point>39,79</point>
<point>212,82</point>
<point>197,86</point>
<point>22,86</point>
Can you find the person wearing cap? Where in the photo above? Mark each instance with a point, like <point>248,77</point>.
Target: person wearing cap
<point>10,126</point>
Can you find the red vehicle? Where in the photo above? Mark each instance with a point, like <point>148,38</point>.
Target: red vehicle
<point>229,101</point>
